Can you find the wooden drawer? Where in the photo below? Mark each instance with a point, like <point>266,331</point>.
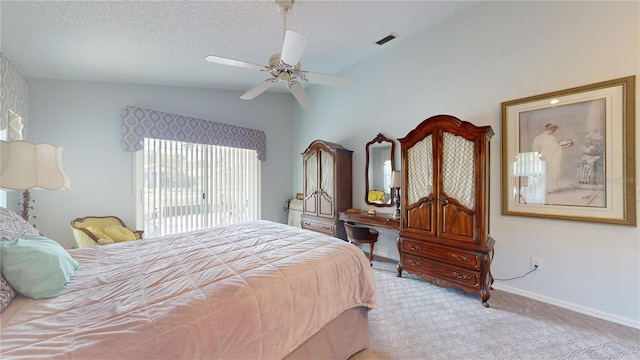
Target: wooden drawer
<point>384,220</point>
<point>452,256</point>
<point>321,227</point>
<point>434,271</point>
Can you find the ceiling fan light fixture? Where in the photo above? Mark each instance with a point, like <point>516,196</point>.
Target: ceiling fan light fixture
<point>285,65</point>
<point>284,76</point>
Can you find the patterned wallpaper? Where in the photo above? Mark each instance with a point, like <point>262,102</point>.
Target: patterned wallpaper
<point>138,123</point>
<point>13,95</point>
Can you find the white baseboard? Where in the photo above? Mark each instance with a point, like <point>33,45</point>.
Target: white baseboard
<point>634,323</point>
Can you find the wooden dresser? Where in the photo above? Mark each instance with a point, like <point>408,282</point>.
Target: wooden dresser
<point>327,187</point>
<point>444,235</point>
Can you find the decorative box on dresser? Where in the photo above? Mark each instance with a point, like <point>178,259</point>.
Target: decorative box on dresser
<point>444,235</point>
<point>327,187</point>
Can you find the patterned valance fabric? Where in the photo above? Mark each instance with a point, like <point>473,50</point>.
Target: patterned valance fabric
<point>139,123</point>
<point>14,94</point>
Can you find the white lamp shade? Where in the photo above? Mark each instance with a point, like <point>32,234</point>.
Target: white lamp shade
<point>396,179</point>
<point>24,166</point>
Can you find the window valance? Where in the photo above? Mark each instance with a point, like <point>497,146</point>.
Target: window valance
<point>138,123</point>
<point>15,94</point>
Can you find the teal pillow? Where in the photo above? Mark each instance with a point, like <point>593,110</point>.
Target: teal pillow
<point>35,266</point>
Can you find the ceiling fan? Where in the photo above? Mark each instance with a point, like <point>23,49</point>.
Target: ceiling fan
<point>285,66</point>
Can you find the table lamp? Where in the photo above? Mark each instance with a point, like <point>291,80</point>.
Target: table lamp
<point>26,166</point>
<point>396,183</point>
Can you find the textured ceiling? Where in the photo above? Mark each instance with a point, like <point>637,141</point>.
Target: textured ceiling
<point>165,42</point>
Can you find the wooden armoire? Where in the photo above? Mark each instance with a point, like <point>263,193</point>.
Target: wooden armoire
<point>444,236</point>
<point>327,187</point>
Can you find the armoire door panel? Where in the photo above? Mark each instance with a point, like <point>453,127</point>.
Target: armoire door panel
<point>459,223</point>
<point>326,184</point>
<point>458,169</point>
<point>310,163</point>
<point>419,171</point>
<point>326,206</point>
<point>421,217</point>
<point>326,171</point>
<point>310,205</point>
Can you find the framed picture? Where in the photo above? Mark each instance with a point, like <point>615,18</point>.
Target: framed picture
<point>570,154</point>
<point>299,196</point>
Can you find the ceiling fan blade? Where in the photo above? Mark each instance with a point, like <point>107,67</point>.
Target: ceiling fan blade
<point>300,94</point>
<point>262,87</point>
<point>293,47</point>
<point>233,62</point>
<point>326,79</point>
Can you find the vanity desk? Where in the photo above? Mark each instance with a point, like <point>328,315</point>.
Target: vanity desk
<point>384,220</point>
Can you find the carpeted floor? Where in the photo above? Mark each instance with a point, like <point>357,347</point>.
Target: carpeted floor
<point>417,320</point>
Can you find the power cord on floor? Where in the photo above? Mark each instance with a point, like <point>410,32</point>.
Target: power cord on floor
<point>535,267</point>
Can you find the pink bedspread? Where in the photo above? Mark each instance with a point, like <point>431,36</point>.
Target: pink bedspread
<point>255,290</point>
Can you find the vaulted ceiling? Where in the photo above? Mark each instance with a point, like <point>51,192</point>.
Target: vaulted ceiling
<point>165,42</point>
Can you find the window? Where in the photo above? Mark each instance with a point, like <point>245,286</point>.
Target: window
<point>185,186</point>
<point>386,170</point>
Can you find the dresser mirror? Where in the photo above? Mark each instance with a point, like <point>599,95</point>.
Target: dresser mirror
<point>379,166</point>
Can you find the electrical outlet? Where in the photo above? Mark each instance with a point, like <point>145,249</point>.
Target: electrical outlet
<point>536,263</point>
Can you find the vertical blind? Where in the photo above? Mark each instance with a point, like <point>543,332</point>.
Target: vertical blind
<point>186,186</point>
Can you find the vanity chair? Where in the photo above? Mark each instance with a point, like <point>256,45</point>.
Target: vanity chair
<point>361,235</point>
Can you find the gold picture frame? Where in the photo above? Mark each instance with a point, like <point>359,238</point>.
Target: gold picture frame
<point>570,154</point>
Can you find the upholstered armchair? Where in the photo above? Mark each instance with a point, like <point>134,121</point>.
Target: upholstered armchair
<point>376,196</point>
<point>93,231</point>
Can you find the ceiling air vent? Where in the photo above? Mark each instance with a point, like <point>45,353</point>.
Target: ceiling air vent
<point>386,39</point>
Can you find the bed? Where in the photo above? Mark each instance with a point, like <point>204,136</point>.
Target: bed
<point>255,290</point>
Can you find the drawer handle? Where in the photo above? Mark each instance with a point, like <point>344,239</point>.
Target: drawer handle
<point>414,247</point>
<point>326,227</point>
<point>415,263</point>
<point>460,276</point>
<point>460,258</point>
